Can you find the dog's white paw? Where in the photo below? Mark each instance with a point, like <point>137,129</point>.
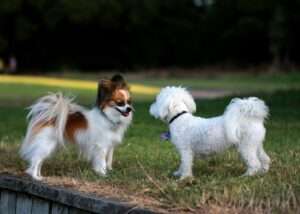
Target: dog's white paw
<point>251,172</point>
<point>101,171</point>
<point>38,178</point>
<point>177,173</point>
<point>265,168</point>
<point>186,177</point>
<point>34,175</point>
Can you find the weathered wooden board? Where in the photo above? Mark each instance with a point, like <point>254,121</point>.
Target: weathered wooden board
<point>59,209</point>
<point>54,200</point>
<point>40,206</point>
<point>78,211</point>
<point>24,204</point>
<point>8,202</point>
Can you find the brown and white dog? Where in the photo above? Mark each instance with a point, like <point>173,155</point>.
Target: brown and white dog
<point>55,119</point>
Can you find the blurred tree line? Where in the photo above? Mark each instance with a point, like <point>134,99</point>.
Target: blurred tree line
<point>92,34</point>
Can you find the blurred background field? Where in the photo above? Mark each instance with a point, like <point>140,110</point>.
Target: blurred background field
<point>145,85</point>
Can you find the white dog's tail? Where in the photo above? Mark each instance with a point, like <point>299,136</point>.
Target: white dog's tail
<point>241,112</point>
<point>53,108</point>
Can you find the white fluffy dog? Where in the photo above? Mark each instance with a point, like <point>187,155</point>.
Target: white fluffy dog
<point>241,125</point>
<point>55,119</point>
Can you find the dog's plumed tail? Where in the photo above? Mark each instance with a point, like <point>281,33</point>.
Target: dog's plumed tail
<point>52,109</point>
<point>240,113</point>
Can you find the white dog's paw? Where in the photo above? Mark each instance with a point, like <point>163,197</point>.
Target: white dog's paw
<point>109,168</point>
<point>251,172</point>
<point>34,175</point>
<point>38,178</point>
<point>265,168</point>
<point>177,173</point>
<point>101,171</point>
<point>186,177</point>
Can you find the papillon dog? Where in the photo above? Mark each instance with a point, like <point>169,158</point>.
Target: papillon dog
<point>55,119</point>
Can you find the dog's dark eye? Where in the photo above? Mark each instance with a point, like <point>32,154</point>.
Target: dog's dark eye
<point>129,102</point>
<point>120,103</point>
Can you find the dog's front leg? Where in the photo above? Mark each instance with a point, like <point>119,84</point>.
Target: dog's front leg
<point>99,161</point>
<point>109,158</point>
<point>250,157</point>
<point>177,173</point>
<point>185,169</point>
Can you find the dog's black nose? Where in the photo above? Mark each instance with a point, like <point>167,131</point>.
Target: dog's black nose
<point>128,109</point>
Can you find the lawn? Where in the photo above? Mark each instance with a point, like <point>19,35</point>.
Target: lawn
<point>143,164</point>
<point>233,80</point>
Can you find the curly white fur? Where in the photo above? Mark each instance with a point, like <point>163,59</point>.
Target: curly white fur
<point>241,125</point>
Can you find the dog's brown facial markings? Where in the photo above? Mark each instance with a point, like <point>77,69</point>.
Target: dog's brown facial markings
<point>120,98</point>
<point>75,122</point>
<point>113,92</point>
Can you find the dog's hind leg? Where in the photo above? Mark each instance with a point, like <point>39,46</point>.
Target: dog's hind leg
<point>34,169</point>
<point>109,158</point>
<point>39,173</point>
<point>99,161</point>
<point>40,148</point>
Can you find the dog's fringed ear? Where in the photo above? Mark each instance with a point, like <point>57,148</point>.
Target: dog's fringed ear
<point>119,81</point>
<point>104,92</point>
<point>163,113</point>
<point>189,102</point>
<point>164,109</point>
<point>154,111</point>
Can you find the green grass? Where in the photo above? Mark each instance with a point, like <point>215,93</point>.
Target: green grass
<point>234,81</point>
<point>144,164</point>
<point>240,82</point>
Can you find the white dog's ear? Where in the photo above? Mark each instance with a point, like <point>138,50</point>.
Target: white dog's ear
<point>163,111</point>
<point>160,110</point>
<point>153,110</point>
<point>190,103</point>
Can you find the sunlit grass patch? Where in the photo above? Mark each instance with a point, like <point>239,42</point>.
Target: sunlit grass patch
<point>69,83</point>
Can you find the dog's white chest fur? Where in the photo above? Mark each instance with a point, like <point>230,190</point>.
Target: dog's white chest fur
<point>100,125</point>
<point>102,133</point>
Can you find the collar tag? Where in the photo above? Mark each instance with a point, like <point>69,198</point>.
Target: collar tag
<point>165,136</point>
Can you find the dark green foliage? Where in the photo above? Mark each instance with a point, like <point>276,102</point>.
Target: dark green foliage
<point>123,34</point>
